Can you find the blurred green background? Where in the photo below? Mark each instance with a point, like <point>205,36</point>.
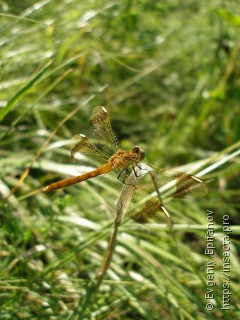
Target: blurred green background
<point>168,73</point>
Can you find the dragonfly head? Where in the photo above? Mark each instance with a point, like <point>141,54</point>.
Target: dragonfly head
<point>139,152</point>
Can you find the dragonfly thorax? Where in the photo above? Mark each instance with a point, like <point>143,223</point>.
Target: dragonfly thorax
<point>123,159</point>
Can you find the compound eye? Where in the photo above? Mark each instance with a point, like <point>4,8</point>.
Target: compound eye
<point>136,149</point>
<point>139,151</point>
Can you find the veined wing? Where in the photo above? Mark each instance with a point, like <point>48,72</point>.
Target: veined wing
<point>102,144</point>
<point>180,185</point>
<point>101,132</point>
<point>152,211</point>
<point>163,184</point>
<point>84,152</point>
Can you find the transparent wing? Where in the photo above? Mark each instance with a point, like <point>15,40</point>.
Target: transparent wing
<point>152,212</point>
<point>101,132</point>
<point>153,186</point>
<point>85,153</point>
<point>180,185</point>
<point>102,144</point>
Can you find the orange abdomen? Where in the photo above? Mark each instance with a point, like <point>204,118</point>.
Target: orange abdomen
<point>67,182</point>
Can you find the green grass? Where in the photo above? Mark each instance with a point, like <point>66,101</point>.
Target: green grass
<point>168,74</point>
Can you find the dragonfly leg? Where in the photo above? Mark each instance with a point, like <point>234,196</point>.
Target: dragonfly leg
<point>154,180</point>
<point>142,168</point>
<point>123,174</point>
<point>140,174</point>
<point>135,172</point>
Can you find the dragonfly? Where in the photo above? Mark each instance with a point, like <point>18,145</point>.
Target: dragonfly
<point>103,147</point>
